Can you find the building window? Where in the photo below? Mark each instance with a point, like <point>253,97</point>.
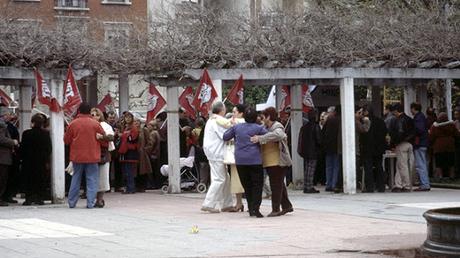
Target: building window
<point>70,4</point>
<point>122,2</point>
<point>117,34</point>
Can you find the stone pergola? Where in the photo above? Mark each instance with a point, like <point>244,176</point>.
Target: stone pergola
<point>347,78</point>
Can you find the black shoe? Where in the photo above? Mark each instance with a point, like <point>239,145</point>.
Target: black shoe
<point>257,214</point>
<point>421,189</point>
<point>396,190</point>
<point>10,200</point>
<point>39,202</point>
<point>329,190</point>
<point>284,211</point>
<point>311,190</point>
<point>405,190</point>
<point>367,191</point>
<point>27,203</point>
<point>338,190</point>
<point>3,204</point>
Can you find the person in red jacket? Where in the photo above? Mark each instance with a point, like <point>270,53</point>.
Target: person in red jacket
<point>83,135</point>
<point>129,151</point>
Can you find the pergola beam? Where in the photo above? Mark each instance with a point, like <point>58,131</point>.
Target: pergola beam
<point>326,73</point>
<point>13,73</point>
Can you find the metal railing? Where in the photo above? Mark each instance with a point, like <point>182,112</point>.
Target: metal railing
<point>71,3</point>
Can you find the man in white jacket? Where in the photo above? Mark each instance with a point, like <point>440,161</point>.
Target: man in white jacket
<point>213,145</point>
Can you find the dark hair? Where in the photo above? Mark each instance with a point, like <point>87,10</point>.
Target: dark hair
<point>398,107</point>
<point>416,106</point>
<point>311,115</point>
<point>199,122</point>
<point>240,108</point>
<point>38,120</point>
<point>162,116</point>
<point>84,108</point>
<point>390,107</point>
<point>270,112</point>
<point>250,115</point>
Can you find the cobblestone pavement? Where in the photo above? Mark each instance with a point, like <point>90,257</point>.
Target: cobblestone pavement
<point>155,225</point>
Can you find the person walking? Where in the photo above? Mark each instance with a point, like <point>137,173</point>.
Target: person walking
<point>276,160</point>
<point>129,151</point>
<point>35,153</point>
<point>308,149</point>
<point>248,158</point>
<point>402,136</point>
<point>213,146</point>
<point>420,146</point>
<point>104,164</point>
<point>6,152</point>
<point>83,135</point>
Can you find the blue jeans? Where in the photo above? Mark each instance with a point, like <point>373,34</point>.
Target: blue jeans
<point>92,183</point>
<point>421,167</point>
<point>127,169</point>
<point>332,170</point>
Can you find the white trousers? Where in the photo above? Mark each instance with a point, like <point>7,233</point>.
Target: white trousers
<point>219,191</point>
<point>104,181</point>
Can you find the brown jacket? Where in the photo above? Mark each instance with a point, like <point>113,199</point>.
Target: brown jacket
<point>442,137</point>
<point>145,146</point>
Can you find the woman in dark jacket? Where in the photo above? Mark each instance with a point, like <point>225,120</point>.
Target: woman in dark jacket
<point>308,149</point>
<point>442,137</point>
<point>35,153</point>
<point>129,152</point>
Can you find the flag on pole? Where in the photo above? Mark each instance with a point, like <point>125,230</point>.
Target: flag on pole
<point>236,94</point>
<point>285,98</point>
<point>44,94</point>
<point>205,94</point>
<point>186,100</point>
<point>155,102</point>
<point>72,98</point>
<point>106,103</point>
<point>4,98</point>
<point>307,100</point>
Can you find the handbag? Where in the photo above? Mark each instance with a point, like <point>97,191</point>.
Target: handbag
<point>105,156</point>
<point>229,153</point>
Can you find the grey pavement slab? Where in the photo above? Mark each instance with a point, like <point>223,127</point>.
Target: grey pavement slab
<point>156,225</point>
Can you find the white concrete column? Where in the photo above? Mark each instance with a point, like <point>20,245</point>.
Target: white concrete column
<point>347,101</point>
<point>422,96</point>
<point>296,124</point>
<point>218,86</point>
<point>409,98</point>
<point>25,107</point>
<point>448,94</point>
<point>123,93</point>
<point>57,139</point>
<point>172,98</point>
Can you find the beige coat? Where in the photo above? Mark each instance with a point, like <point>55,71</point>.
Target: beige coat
<point>276,134</point>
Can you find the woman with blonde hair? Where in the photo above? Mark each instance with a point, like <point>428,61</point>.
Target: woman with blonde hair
<point>104,165</point>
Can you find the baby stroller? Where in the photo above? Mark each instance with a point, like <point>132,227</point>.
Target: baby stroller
<point>188,179</point>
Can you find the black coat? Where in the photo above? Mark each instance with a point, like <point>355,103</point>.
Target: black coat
<point>403,131</point>
<point>309,141</point>
<point>35,150</point>
<point>373,142</point>
<point>330,135</point>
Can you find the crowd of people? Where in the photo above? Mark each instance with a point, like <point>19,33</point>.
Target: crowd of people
<point>234,153</point>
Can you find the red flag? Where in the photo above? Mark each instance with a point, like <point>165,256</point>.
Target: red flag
<point>236,94</point>
<point>4,98</point>
<point>186,100</point>
<point>285,98</point>
<point>44,94</point>
<point>106,103</point>
<point>155,102</point>
<point>205,94</point>
<point>72,98</point>
<point>307,100</point>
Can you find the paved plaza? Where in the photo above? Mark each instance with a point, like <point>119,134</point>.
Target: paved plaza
<point>152,224</point>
